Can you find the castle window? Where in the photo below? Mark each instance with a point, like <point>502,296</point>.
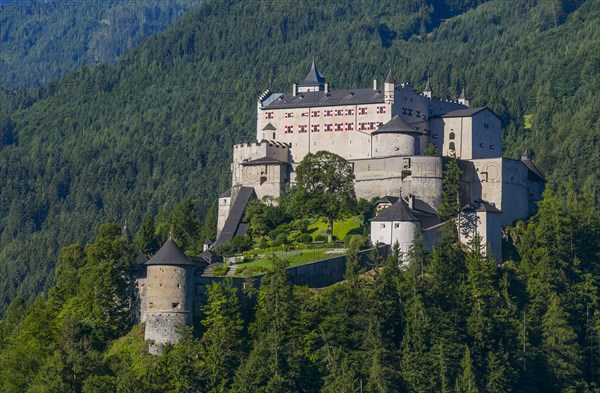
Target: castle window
<point>289,114</point>
<point>452,135</point>
<point>328,112</point>
<point>486,125</point>
<point>315,128</point>
<point>382,226</point>
<point>410,112</point>
<point>482,145</point>
<point>380,109</point>
<point>397,225</point>
<point>268,115</point>
<point>406,163</point>
<point>175,305</point>
<point>315,114</point>
<point>339,112</point>
<point>349,112</point>
<point>274,135</point>
<point>339,127</point>
<point>379,125</point>
<point>418,113</point>
<point>484,177</point>
<point>362,111</point>
<point>303,128</point>
<point>288,129</point>
<point>150,305</point>
<point>492,147</point>
<point>304,114</point>
<point>362,126</point>
<point>328,127</point>
<point>452,146</point>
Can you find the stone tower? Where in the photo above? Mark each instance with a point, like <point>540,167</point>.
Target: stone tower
<point>168,296</point>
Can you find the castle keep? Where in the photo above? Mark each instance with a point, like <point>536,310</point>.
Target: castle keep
<point>383,131</point>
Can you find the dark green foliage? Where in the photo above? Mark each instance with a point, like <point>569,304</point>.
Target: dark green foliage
<point>237,245</point>
<point>325,187</point>
<point>451,201</point>
<point>145,238</point>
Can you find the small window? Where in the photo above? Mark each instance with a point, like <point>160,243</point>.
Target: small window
<point>434,136</point>
<point>452,146</point>
<point>150,305</point>
<point>486,125</point>
<point>397,225</point>
<point>492,147</point>
<point>406,163</point>
<point>382,226</point>
<point>482,145</point>
<point>175,305</point>
<point>273,135</point>
<point>452,135</point>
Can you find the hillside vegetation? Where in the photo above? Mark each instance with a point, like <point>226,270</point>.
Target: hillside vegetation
<point>42,40</point>
<point>117,142</point>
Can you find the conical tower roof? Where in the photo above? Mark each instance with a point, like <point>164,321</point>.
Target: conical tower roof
<point>389,78</point>
<point>313,78</point>
<point>396,125</point>
<point>170,254</point>
<point>428,86</point>
<point>399,211</point>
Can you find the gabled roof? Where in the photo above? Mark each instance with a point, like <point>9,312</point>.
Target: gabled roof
<point>313,78</point>
<point>533,173</point>
<point>399,211</point>
<point>467,112</point>
<point>396,125</point>
<point>264,161</point>
<point>269,127</point>
<point>389,78</point>
<point>320,98</point>
<point>170,254</point>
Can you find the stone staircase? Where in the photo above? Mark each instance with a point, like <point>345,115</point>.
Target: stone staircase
<point>209,270</point>
<point>232,269</point>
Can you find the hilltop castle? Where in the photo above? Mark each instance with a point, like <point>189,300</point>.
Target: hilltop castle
<point>383,132</point>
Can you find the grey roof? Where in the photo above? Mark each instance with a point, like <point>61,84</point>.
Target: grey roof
<point>467,112</point>
<point>235,214</point>
<point>264,161</point>
<point>399,211</point>
<point>332,98</point>
<point>170,254</point>
<point>313,78</point>
<point>533,173</point>
<point>387,199</point>
<point>140,258</point>
<point>226,194</point>
<point>269,127</point>
<point>428,86</point>
<point>423,208</point>
<point>395,125</point>
<point>389,78</point>
<point>480,205</point>
<point>125,234</point>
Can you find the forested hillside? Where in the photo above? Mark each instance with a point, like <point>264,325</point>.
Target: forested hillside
<point>42,40</point>
<point>114,143</point>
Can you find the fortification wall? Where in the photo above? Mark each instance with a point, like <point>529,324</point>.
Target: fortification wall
<point>163,328</point>
<point>395,144</point>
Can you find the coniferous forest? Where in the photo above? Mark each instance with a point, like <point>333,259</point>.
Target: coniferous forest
<point>147,139</point>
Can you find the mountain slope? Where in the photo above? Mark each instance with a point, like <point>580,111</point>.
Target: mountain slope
<point>42,40</point>
<point>112,143</point>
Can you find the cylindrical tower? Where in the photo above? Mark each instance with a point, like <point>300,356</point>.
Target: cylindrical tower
<point>396,138</point>
<point>168,295</point>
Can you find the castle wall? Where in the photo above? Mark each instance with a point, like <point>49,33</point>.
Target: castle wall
<point>395,144</point>
<point>488,226</point>
<point>223,213</point>
<point>169,304</point>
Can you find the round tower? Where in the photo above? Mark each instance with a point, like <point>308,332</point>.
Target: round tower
<point>168,295</point>
<point>396,138</point>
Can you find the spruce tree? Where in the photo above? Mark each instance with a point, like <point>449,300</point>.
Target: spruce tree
<point>451,176</point>
<point>466,382</point>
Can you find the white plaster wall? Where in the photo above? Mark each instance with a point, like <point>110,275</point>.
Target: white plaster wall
<point>395,144</point>
<point>402,232</point>
<point>223,213</point>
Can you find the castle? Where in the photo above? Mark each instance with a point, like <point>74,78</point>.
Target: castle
<point>383,132</point>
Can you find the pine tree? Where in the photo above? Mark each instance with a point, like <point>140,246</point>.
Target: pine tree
<point>145,238</point>
<point>450,205</point>
<point>466,382</point>
<point>209,229</point>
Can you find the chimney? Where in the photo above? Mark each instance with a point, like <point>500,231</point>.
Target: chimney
<point>411,201</point>
<point>294,89</point>
<point>326,88</point>
<point>374,84</point>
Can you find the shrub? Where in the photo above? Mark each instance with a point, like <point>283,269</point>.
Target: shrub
<point>305,238</point>
<point>220,270</point>
<point>236,245</point>
<point>250,270</point>
<point>358,240</point>
<point>321,238</point>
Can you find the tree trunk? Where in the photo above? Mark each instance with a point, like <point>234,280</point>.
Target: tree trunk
<point>330,230</point>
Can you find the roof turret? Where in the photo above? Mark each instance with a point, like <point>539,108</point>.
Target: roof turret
<point>389,78</point>
<point>463,94</point>
<point>427,87</point>
<point>313,78</point>
<point>125,234</point>
<point>170,254</point>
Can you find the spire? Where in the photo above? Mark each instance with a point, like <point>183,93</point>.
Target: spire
<point>125,234</point>
<point>462,99</point>
<point>427,91</point>
<point>389,78</point>
<point>313,78</point>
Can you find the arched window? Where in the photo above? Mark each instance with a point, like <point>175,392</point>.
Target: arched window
<point>452,135</point>
<point>452,147</point>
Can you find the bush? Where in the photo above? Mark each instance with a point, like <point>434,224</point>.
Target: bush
<point>321,238</point>
<point>236,245</point>
<point>359,241</point>
<point>305,238</point>
<point>250,270</point>
<point>263,244</point>
<point>220,270</point>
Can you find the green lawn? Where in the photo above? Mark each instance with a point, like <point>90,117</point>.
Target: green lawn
<point>340,228</point>
<point>294,257</point>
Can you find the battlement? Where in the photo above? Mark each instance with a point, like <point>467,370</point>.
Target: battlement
<point>264,142</point>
